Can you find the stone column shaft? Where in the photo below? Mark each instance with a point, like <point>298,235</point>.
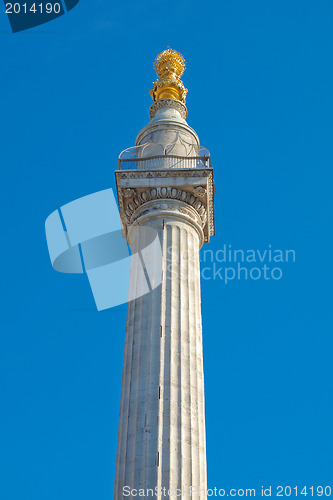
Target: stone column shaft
<point>161,441</point>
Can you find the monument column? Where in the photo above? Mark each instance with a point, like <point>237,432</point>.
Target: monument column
<point>165,192</point>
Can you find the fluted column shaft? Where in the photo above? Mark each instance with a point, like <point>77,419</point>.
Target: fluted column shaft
<point>161,440</point>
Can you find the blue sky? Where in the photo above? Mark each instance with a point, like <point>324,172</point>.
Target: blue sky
<point>75,92</point>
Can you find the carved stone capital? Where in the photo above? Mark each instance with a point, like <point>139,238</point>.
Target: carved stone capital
<point>164,194</point>
<point>186,194</point>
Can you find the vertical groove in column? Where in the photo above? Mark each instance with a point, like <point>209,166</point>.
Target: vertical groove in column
<point>143,379</point>
<point>175,367</point>
<point>160,417</point>
<point>177,356</point>
<point>125,389</point>
<point>165,416</point>
<point>194,365</point>
<point>134,392</point>
<point>185,380</point>
<point>153,363</point>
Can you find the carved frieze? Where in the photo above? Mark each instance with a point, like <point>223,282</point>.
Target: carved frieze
<point>164,193</point>
<point>166,103</point>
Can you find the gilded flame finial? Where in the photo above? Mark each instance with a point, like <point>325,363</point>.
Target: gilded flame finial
<point>169,66</point>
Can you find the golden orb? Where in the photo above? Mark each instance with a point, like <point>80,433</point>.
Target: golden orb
<point>169,66</point>
<point>169,63</point>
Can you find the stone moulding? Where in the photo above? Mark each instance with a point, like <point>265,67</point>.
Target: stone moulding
<point>165,103</point>
<point>164,193</point>
<point>192,189</point>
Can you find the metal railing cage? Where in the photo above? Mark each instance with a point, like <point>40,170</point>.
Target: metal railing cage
<point>130,159</point>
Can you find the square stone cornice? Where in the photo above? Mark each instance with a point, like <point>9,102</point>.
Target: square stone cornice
<point>192,186</point>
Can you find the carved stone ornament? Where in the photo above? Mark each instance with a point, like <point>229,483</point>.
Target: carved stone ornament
<point>166,103</point>
<point>200,191</point>
<point>164,193</point>
<point>128,193</point>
